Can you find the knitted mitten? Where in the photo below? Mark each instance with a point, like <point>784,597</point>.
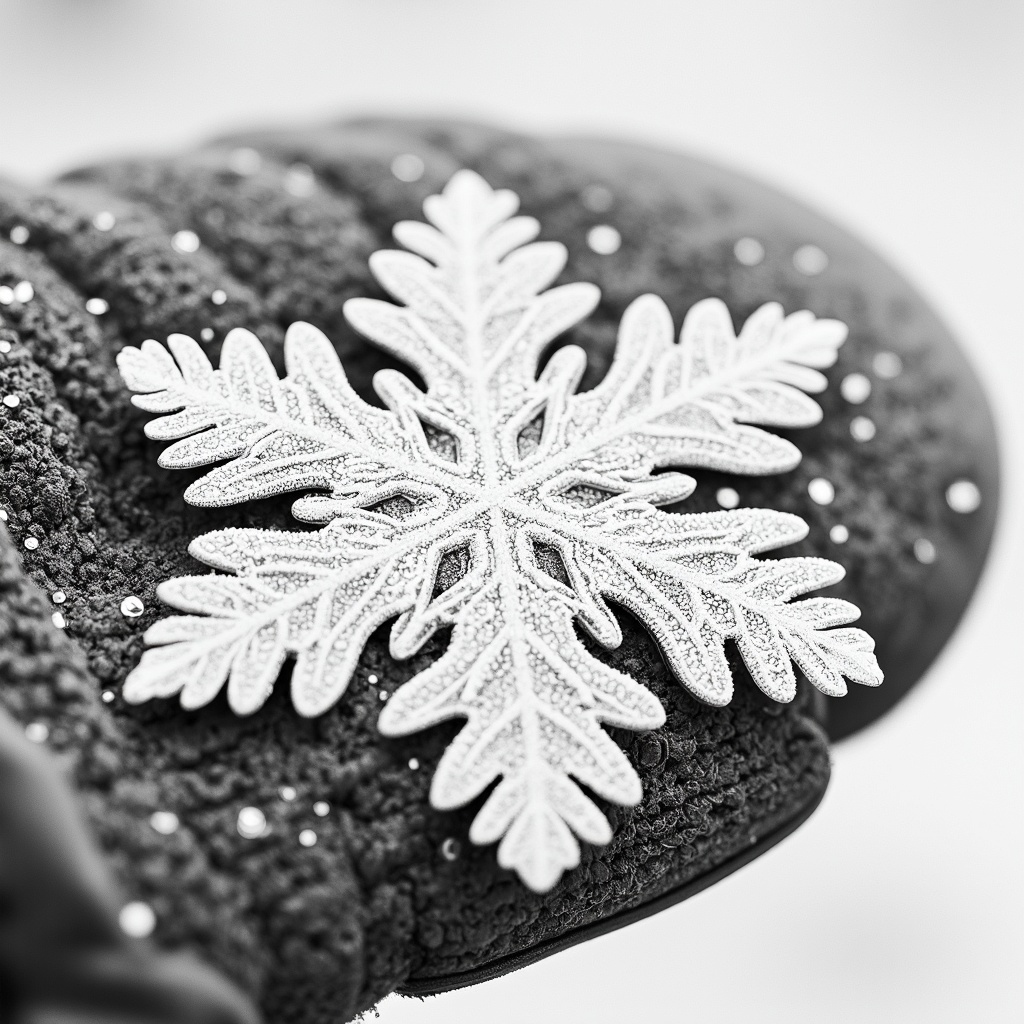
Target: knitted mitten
<point>199,813</point>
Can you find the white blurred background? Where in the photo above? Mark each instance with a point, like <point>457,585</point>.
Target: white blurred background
<point>901,899</point>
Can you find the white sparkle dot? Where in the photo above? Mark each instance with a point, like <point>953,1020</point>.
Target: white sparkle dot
<point>137,920</point>
<point>58,597</point>
<point>37,732</point>
<point>963,496</point>
<point>604,239</point>
<point>206,334</point>
<point>887,365</point>
<point>97,306</point>
<point>597,198</point>
<point>19,234</point>
<point>810,260</point>
<point>6,295</point>
<point>862,429</point>
<point>288,793</point>
<point>321,808</point>
<point>299,180</point>
<point>414,763</point>
<point>31,543</point>
<point>219,297</point>
<point>748,251</point>
<point>185,241</point>
<point>104,220</point>
<point>855,388</point>
<point>839,534</point>
<point>108,696</point>
<point>132,607</point>
<point>821,491</point>
<point>12,401</point>
<point>727,497</point>
<point>924,551</point>
<point>58,620</point>
<point>164,822</point>
<point>252,823</point>
<point>407,167</point>
<point>307,837</point>
<point>5,345</point>
<point>24,292</point>
<point>383,695</point>
<point>244,161</point>
<point>371,679</point>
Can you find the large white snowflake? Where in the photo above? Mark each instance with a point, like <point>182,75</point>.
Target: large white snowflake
<point>503,504</point>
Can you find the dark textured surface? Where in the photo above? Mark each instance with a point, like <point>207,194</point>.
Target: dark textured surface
<point>319,933</point>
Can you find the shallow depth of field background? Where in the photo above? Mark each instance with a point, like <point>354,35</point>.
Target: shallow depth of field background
<point>901,899</point>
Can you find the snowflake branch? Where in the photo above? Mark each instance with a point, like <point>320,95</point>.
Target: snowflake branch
<point>693,404</point>
<point>307,431</point>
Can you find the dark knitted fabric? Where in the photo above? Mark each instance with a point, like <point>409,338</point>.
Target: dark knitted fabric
<point>320,933</point>
<point>61,950</point>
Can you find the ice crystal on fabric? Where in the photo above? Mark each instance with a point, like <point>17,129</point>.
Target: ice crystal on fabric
<point>499,502</point>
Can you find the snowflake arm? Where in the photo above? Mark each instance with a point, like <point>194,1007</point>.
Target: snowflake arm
<point>534,701</point>
<point>696,403</point>
<point>314,596</point>
<point>691,579</point>
<point>473,324</point>
<point>308,430</point>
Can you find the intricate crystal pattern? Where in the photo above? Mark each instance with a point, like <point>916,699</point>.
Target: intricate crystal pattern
<point>503,504</point>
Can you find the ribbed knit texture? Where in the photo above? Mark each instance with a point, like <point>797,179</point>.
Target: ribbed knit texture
<point>319,933</point>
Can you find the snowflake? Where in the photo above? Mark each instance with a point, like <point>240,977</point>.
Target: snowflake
<point>504,504</point>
